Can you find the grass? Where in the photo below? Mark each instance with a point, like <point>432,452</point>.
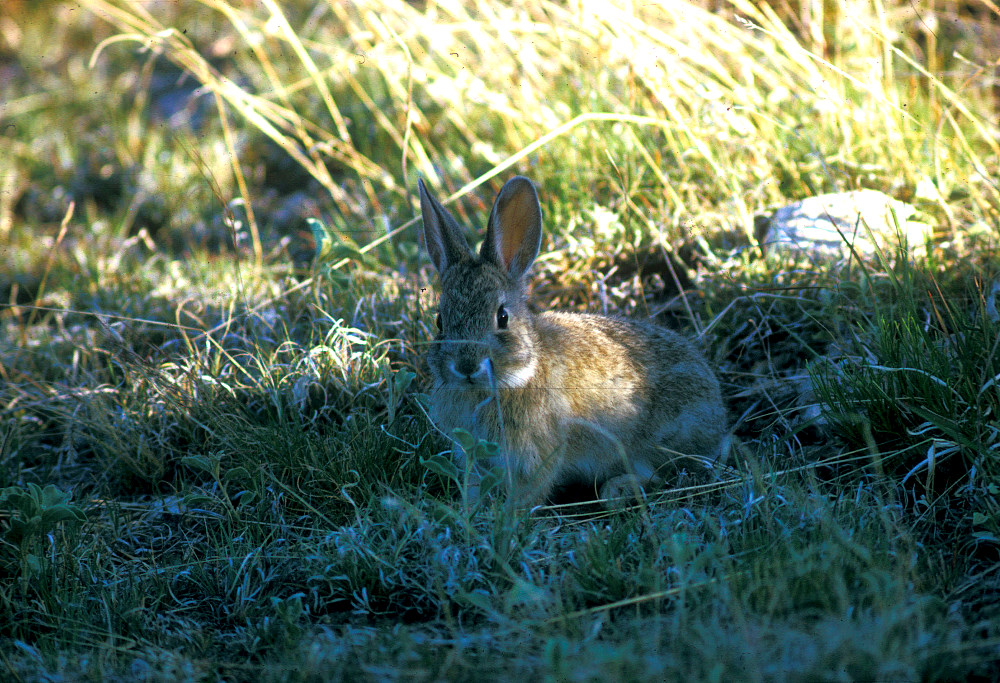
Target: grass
<point>215,460</point>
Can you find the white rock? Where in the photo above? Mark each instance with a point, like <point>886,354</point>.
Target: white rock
<point>827,223</point>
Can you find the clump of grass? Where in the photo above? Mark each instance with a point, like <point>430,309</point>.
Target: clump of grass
<point>925,366</point>
<point>915,386</point>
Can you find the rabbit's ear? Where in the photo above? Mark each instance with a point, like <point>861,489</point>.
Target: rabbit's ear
<point>514,232</point>
<point>443,236</point>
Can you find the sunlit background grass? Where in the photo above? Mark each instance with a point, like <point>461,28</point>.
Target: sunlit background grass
<point>214,458</point>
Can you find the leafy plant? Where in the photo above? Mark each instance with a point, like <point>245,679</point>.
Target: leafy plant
<point>921,387</point>
<point>33,512</point>
<point>473,479</point>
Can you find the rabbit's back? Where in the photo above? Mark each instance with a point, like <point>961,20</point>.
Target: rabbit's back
<point>645,384</point>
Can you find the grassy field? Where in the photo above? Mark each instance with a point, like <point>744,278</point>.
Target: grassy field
<point>215,458</point>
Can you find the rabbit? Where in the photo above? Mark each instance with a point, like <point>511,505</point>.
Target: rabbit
<point>569,398</point>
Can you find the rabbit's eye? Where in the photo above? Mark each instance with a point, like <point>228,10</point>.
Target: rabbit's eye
<point>502,318</point>
<point>438,321</point>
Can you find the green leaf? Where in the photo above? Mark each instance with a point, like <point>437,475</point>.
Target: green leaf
<point>401,380</point>
<point>245,498</point>
<point>348,251</point>
<point>331,246</point>
<point>492,479</point>
<point>35,491</point>
<point>51,495</point>
<point>321,235</point>
<point>236,474</point>
<point>464,439</point>
<point>33,564</point>
<point>336,278</point>
<point>441,465</point>
<point>194,501</point>
<point>486,449</point>
<point>201,462</point>
<point>19,530</point>
<point>62,513</point>
<point>15,499</point>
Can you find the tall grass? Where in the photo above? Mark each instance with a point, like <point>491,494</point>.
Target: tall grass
<point>645,101</point>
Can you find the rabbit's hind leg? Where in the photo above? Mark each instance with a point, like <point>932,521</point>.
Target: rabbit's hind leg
<point>620,490</point>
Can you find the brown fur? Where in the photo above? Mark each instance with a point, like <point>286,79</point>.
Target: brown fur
<point>568,397</point>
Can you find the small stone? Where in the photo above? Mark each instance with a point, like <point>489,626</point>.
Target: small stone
<point>826,224</point>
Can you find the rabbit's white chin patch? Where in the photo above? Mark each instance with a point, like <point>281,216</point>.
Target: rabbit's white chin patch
<point>519,377</point>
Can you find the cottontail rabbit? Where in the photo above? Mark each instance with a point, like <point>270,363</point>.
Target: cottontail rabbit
<point>569,398</point>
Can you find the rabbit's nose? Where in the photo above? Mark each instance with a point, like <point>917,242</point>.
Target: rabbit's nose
<point>469,368</point>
